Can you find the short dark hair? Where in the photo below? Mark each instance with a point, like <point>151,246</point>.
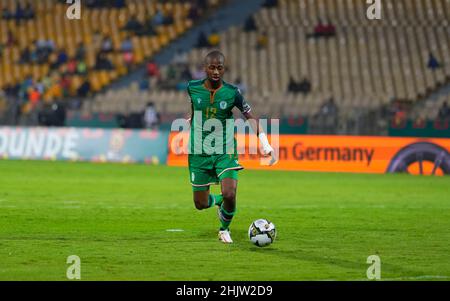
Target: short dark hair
<point>215,54</point>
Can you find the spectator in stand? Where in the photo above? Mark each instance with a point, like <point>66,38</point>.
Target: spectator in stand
<point>397,111</point>
<point>323,30</point>
<point>103,63</point>
<point>168,20</point>
<point>147,29</point>
<point>420,121</point>
<point>158,18</point>
<point>128,58</point>
<point>433,63</point>
<point>144,84</point>
<point>328,114</point>
<point>213,39</point>
<point>84,89</point>
<point>329,108</point>
<point>44,48</point>
<point>151,116</point>
<point>62,57</point>
<point>81,67</point>
<point>80,53</point>
<point>127,45</point>
<point>25,56</point>
<point>202,4</point>
<point>20,13</point>
<point>40,87</point>
<point>444,112</point>
<point>270,3</point>
<point>262,41</point>
<point>250,24</point>
<point>10,39</point>
<point>194,12</point>
<point>319,29</point>
<point>133,25</point>
<point>65,83</point>
<point>107,45</point>
<point>185,73</point>
<point>28,12</point>
<point>330,30</point>
<point>7,14</point>
<point>304,86</point>
<point>72,66</point>
<point>153,69</point>
<point>181,58</point>
<point>292,85</point>
<point>97,39</point>
<point>34,58</point>
<point>202,41</point>
<point>25,86</point>
<point>119,4</point>
<point>171,73</point>
<point>34,96</point>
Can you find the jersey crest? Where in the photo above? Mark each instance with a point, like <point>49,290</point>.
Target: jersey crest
<point>223,104</point>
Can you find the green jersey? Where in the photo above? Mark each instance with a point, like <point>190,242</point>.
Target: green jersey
<point>212,130</point>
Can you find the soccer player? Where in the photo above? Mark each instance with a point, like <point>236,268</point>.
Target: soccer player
<point>213,98</point>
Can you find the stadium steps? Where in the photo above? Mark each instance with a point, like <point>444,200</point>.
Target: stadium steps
<point>428,107</point>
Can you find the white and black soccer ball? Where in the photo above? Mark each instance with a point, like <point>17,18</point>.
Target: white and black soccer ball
<point>262,232</point>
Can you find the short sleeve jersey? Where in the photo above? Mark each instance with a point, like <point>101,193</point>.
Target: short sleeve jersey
<point>212,113</point>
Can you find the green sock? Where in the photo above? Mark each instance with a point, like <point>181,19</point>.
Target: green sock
<point>225,218</point>
<point>215,200</point>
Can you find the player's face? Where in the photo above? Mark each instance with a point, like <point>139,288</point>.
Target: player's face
<point>215,69</point>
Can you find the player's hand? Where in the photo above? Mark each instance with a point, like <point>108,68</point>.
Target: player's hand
<point>267,151</point>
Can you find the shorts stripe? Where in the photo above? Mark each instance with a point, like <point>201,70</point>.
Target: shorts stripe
<point>231,168</point>
<point>203,185</point>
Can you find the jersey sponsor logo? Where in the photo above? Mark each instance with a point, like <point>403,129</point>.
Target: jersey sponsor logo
<point>223,104</point>
<point>199,100</point>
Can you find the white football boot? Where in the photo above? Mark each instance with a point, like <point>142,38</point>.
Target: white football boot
<point>224,236</point>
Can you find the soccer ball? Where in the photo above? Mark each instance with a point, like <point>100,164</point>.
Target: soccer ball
<point>262,232</point>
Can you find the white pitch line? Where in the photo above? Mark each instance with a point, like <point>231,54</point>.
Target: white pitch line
<point>395,279</point>
<point>419,277</point>
<point>174,230</point>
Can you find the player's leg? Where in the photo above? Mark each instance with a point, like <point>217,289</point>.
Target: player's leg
<point>204,200</point>
<point>228,207</point>
<point>227,167</point>
<point>202,176</point>
<point>201,198</point>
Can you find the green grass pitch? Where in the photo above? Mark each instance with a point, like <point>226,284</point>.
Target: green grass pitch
<point>115,218</point>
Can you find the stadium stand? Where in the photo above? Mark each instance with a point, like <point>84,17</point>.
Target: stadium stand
<point>46,57</point>
<point>362,65</point>
<point>365,64</point>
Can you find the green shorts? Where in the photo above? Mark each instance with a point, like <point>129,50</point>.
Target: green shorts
<point>210,170</point>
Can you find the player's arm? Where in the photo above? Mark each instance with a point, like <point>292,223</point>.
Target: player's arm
<point>257,128</point>
<point>191,115</point>
<point>246,110</point>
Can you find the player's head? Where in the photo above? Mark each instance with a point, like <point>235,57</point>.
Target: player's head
<point>214,65</point>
